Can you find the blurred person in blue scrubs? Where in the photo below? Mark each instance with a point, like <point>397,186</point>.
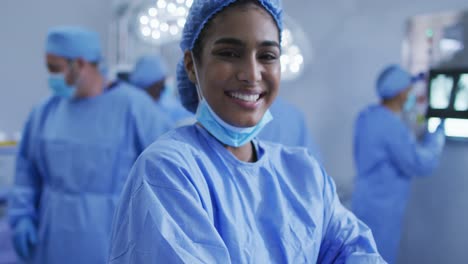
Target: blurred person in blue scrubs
<point>150,74</point>
<point>289,128</point>
<point>212,192</point>
<point>387,157</point>
<point>76,151</point>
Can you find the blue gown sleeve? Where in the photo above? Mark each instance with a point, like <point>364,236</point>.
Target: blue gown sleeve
<point>345,238</point>
<point>414,158</point>
<point>150,122</point>
<point>24,197</point>
<point>162,217</point>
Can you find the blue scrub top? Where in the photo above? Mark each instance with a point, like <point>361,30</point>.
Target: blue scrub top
<point>73,160</point>
<point>189,200</point>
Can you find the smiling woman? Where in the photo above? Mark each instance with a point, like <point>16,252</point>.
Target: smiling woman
<point>211,192</point>
<point>238,65</point>
<point>236,69</point>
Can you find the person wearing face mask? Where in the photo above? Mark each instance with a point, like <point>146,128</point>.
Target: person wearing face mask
<point>212,192</point>
<point>150,74</point>
<point>387,157</point>
<point>76,151</point>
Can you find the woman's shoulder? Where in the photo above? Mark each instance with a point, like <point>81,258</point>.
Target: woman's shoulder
<point>296,166</point>
<point>181,141</point>
<point>169,161</point>
<point>275,148</point>
<point>296,155</point>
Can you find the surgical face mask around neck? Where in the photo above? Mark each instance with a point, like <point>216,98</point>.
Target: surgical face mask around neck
<point>228,134</point>
<point>59,86</point>
<point>224,132</point>
<point>410,102</point>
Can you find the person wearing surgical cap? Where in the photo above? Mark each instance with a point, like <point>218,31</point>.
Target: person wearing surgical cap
<point>150,74</point>
<point>76,151</point>
<point>387,157</point>
<point>212,192</point>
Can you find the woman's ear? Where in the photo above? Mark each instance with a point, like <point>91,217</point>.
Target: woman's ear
<point>189,66</point>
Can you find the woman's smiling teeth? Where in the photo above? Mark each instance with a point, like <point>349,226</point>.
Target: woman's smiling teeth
<point>245,97</point>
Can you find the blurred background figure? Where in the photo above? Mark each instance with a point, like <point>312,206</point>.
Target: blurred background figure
<point>289,128</point>
<point>150,74</point>
<point>76,151</point>
<point>7,161</point>
<point>387,157</point>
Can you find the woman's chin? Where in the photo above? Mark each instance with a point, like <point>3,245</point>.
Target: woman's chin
<point>246,122</point>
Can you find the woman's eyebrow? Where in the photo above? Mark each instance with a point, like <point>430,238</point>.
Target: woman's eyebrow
<point>270,43</point>
<point>238,42</point>
<point>231,41</point>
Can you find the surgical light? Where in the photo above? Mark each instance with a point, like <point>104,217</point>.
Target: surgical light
<point>294,50</point>
<point>163,21</point>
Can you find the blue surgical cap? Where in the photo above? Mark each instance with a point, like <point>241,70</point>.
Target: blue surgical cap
<point>393,80</point>
<point>200,13</point>
<point>148,70</point>
<point>73,42</point>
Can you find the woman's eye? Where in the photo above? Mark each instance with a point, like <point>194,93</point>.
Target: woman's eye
<point>228,54</point>
<point>268,56</point>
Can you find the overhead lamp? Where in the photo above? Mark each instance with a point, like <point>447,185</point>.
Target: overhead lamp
<point>163,21</point>
<point>295,50</point>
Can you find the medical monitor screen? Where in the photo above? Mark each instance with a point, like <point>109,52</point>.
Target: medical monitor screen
<point>448,93</point>
<point>461,96</point>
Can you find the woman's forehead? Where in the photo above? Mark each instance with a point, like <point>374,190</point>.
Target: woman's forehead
<point>252,22</point>
<point>240,9</point>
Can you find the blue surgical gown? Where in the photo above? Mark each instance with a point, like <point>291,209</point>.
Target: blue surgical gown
<point>74,158</point>
<point>387,156</point>
<point>189,200</point>
<point>289,128</point>
<point>174,110</point>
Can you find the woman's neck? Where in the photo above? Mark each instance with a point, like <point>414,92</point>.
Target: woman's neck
<point>244,153</point>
